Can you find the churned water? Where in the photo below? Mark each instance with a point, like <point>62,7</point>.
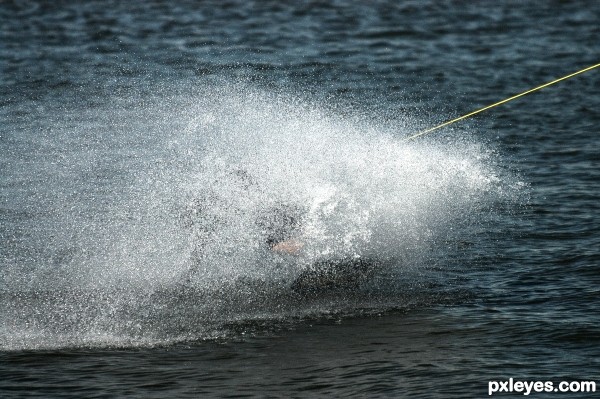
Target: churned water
<point>144,147</point>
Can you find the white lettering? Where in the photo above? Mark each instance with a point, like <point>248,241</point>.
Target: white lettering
<point>518,386</point>
<point>492,387</point>
<point>527,387</point>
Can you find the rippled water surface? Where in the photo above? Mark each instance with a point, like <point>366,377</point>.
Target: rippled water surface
<point>145,147</point>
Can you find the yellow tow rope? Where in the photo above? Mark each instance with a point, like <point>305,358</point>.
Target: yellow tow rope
<point>414,136</point>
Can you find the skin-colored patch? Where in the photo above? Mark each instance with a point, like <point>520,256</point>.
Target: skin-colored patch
<point>290,247</point>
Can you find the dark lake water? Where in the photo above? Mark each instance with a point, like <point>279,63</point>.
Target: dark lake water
<point>142,143</point>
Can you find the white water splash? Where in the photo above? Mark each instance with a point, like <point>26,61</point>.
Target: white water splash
<point>164,198</point>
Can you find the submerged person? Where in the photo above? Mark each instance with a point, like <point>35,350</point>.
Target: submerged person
<point>281,232</point>
<point>281,225</point>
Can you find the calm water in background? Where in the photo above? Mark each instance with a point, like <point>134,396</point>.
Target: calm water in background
<point>105,112</point>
